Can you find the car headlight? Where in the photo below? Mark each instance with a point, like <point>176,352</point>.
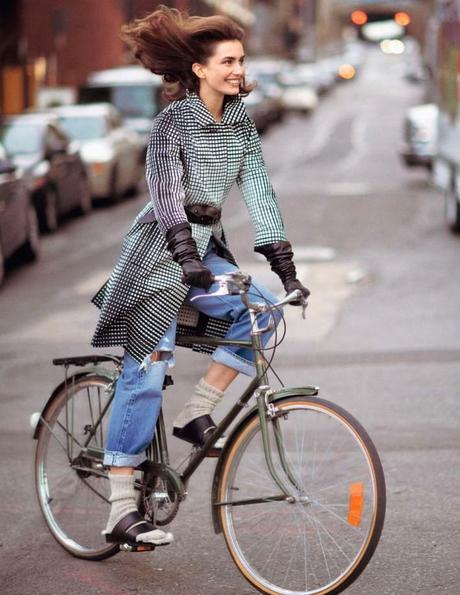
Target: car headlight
<point>99,153</point>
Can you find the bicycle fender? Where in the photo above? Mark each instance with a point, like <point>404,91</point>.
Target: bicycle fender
<point>309,391</point>
<point>61,386</point>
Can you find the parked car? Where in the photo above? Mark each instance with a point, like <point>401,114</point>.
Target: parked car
<point>420,135</point>
<point>18,219</point>
<point>297,94</point>
<point>263,109</point>
<point>265,73</point>
<point>55,171</point>
<point>133,90</point>
<point>113,154</point>
<point>311,74</point>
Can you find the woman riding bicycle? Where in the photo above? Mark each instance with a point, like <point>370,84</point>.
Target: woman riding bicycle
<point>200,145</point>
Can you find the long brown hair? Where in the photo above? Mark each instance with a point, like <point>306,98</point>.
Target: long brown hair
<point>167,42</point>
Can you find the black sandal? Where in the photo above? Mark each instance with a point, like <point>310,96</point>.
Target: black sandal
<point>132,525</point>
<point>196,431</point>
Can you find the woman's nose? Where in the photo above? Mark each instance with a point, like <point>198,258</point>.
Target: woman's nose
<point>238,68</point>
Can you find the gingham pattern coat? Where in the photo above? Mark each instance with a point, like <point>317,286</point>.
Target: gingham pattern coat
<point>191,159</point>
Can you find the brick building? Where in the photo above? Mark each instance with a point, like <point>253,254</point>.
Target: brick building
<point>58,42</point>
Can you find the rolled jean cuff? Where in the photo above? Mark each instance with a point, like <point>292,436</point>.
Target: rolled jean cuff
<point>226,357</point>
<point>121,459</point>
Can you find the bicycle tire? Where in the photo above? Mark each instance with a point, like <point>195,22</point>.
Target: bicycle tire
<point>319,545</point>
<point>74,503</point>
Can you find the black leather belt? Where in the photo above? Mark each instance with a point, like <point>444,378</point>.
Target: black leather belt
<point>202,214</point>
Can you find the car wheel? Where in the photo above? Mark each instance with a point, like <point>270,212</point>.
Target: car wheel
<point>452,209</point>
<point>2,266</point>
<point>31,249</point>
<point>86,203</point>
<point>48,212</point>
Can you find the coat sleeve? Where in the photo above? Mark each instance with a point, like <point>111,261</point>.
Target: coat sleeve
<point>164,170</point>
<point>258,193</point>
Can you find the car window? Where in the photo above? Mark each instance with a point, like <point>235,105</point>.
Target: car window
<point>84,127</point>
<point>135,100</point>
<point>21,138</point>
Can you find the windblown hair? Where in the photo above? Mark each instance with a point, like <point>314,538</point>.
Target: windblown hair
<point>167,42</point>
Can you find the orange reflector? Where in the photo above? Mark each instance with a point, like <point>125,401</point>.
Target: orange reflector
<point>356,504</point>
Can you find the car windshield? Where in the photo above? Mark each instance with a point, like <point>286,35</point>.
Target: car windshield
<point>20,138</point>
<point>135,101</point>
<point>84,127</point>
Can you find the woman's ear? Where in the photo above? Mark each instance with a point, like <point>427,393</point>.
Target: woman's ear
<point>198,70</point>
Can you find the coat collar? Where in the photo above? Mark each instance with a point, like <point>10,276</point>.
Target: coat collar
<point>234,110</point>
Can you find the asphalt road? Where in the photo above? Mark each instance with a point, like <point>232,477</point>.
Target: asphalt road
<point>381,339</point>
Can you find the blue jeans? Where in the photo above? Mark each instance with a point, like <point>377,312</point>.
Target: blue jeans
<point>138,393</point>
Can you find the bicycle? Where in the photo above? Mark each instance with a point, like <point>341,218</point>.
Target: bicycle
<point>298,489</point>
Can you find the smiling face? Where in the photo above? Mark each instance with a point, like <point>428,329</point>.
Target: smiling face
<point>224,71</point>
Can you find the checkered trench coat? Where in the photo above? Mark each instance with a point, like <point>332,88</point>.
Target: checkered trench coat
<point>191,159</point>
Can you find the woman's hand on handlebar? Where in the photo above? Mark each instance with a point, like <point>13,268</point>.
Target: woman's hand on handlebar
<point>196,274</point>
<point>293,284</point>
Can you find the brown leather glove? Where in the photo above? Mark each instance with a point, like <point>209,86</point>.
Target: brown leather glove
<point>184,251</point>
<point>280,257</point>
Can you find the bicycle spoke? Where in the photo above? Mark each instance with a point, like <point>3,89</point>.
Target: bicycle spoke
<point>74,498</point>
<point>310,543</point>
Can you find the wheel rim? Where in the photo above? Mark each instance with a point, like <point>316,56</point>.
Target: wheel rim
<point>74,503</point>
<point>304,547</point>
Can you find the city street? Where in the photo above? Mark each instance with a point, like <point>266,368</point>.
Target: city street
<point>381,338</point>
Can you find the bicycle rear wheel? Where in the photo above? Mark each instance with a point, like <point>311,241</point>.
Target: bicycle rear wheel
<point>72,486</point>
<point>319,541</point>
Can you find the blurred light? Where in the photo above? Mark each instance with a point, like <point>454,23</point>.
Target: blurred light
<point>381,30</point>
<point>402,18</point>
<point>392,46</point>
<point>358,17</point>
<point>347,71</point>
<point>98,168</point>
<point>40,66</point>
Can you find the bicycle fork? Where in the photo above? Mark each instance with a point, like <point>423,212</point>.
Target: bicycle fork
<point>268,411</point>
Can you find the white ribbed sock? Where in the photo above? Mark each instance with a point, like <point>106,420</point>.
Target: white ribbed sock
<point>203,402</point>
<point>122,497</point>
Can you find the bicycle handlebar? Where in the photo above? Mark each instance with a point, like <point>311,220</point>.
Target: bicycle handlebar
<point>238,283</point>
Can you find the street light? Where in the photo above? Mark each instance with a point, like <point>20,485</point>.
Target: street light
<point>358,17</point>
<point>402,18</point>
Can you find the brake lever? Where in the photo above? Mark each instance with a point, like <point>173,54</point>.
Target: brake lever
<point>304,305</point>
<point>222,289</point>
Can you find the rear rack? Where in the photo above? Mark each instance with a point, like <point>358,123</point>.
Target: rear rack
<point>83,360</point>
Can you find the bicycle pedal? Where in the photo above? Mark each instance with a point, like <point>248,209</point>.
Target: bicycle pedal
<point>141,547</point>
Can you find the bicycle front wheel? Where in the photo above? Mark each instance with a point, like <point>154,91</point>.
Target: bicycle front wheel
<point>320,539</point>
<point>72,486</point>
